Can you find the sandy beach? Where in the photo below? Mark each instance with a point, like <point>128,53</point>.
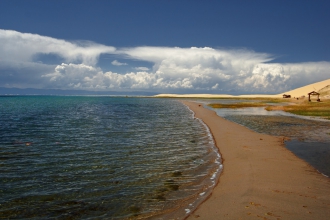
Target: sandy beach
<point>261,179</point>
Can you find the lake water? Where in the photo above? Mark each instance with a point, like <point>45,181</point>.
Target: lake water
<point>102,157</point>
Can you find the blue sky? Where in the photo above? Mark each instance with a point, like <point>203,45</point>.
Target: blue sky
<point>257,46</point>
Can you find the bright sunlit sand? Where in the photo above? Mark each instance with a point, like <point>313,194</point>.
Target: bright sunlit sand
<point>261,178</point>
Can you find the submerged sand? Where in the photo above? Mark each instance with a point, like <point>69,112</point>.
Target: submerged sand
<point>261,178</point>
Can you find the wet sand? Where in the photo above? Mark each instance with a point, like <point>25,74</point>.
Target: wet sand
<point>261,179</point>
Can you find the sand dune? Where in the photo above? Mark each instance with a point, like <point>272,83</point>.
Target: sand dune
<point>302,91</point>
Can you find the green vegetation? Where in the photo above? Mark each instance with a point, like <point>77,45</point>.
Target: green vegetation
<point>298,107</point>
<point>279,100</point>
<point>318,109</point>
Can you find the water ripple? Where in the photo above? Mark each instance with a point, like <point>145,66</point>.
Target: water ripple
<point>100,157</point>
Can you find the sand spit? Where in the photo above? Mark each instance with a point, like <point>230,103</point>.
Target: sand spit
<point>261,178</point>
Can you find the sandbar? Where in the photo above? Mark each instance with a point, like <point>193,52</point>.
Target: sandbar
<point>261,179</point>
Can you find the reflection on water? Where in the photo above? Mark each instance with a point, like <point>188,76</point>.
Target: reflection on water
<point>247,111</point>
<point>310,137</point>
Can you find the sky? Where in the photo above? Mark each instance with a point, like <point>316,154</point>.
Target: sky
<point>172,46</point>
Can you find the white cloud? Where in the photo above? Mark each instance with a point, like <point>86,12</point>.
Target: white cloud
<point>117,63</point>
<point>81,76</point>
<point>175,69</point>
<point>262,78</point>
<point>142,68</point>
<point>23,46</point>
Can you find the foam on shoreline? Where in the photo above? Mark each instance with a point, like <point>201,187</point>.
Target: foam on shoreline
<point>189,206</point>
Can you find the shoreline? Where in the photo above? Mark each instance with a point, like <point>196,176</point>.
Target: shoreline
<point>260,177</point>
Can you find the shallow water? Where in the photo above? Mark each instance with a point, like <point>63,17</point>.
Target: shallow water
<point>319,157</point>
<point>102,157</point>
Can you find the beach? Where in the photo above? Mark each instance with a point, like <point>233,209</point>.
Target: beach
<point>261,179</point>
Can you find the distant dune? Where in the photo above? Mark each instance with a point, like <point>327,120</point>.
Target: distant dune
<point>325,91</point>
<point>322,87</point>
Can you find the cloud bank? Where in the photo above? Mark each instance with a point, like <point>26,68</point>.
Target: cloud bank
<point>174,69</point>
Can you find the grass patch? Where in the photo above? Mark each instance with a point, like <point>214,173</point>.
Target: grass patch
<point>315,109</point>
<point>298,107</point>
<point>279,100</point>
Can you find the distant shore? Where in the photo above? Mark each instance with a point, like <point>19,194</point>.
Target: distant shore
<point>261,178</point>
<point>323,86</point>
<point>214,96</point>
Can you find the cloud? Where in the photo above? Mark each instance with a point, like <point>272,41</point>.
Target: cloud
<point>80,76</point>
<point>141,68</point>
<point>260,78</point>
<point>277,78</point>
<point>226,71</point>
<point>174,69</point>
<point>16,46</point>
<point>117,63</point>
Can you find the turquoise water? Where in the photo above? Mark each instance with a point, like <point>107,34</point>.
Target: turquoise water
<point>102,157</point>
